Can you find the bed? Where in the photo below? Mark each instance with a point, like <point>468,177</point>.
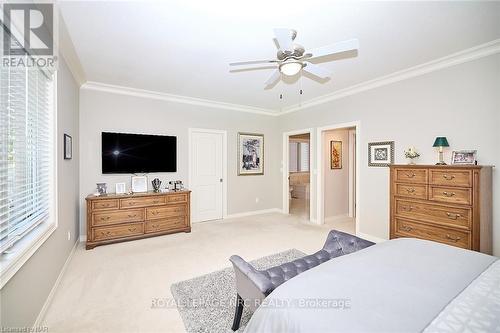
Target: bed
<point>402,285</point>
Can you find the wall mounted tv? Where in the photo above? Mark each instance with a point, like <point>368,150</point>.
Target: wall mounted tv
<point>138,153</point>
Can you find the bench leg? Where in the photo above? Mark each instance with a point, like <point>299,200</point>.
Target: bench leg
<point>238,312</point>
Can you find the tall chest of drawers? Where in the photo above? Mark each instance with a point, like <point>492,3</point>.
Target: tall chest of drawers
<point>449,204</point>
<point>118,218</point>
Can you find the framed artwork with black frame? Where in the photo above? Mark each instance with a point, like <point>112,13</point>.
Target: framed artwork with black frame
<point>250,154</point>
<point>68,147</point>
<point>380,154</point>
<point>335,154</point>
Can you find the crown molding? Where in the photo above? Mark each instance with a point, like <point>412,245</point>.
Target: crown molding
<point>461,57</point>
<point>91,85</point>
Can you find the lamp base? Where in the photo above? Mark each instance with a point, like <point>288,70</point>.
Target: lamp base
<point>441,163</point>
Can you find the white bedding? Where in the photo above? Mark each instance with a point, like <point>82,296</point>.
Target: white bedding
<point>400,285</point>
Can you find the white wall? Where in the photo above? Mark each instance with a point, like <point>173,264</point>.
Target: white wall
<point>460,102</point>
<point>104,111</point>
<point>336,181</point>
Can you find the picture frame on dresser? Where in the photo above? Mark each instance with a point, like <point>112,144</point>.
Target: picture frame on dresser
<point>463,157</point>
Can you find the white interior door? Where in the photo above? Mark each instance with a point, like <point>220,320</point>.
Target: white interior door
<point>206,175</point>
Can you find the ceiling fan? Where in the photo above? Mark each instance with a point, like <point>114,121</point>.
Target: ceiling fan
<point>291,57</point>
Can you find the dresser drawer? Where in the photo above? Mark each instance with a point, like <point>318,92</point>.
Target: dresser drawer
<point>165,212</point>
<point>117,231</point>
<point>163,225</point>
<point>142,202</point>
<point>104,204</point>
<point>451,195</point>
<point>451,177</point>
<point>118,216</point>
<point>416,191</point>
<point>173,198</point>
<point>446,215</point>
<point>414,176</point>
<point>406,228</point>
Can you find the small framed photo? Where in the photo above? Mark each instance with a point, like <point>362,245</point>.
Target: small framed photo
<point>335,154</point>
<point>250,154</point>
<point>463,157</point>
<point>380,154</point>
<point>68,147</point>
<point>120,188</point>
<point>139,184</point>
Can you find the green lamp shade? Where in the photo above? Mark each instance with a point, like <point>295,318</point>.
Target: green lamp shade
<point>441,142</point>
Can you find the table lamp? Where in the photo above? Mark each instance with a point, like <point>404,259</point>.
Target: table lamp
<point>441,142</point>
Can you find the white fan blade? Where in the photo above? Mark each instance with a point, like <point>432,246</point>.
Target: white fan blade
<point>284,38</point>
<point>316,70</point>
<point>275,77</point>
<point>254,62</point>
<point>348,45</point>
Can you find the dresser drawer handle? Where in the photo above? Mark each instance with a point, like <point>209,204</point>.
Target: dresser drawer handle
<point>131,203</point>
<point>449,194</point>
<point>105,205</point>
<point>156,201</point>
<point>154,212</point>
<point>453,216</point>
<point>410,190</point>
<point>107,233</point>
<point>448,177</point>
<point>132,229</point>
<point>453,239</point>
<point>407,208</point>
<point>156,226</point>
<point>132,216</point>
<point>406,228</point>
<point>410,175</point>
<point>105,218</point>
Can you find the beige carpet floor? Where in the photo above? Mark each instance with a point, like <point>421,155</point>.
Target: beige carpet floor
<point>113,288</point>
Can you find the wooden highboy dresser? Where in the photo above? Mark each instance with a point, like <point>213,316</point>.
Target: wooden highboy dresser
<point>448,204</point>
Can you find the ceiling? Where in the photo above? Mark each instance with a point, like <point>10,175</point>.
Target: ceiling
<point>183,47</point>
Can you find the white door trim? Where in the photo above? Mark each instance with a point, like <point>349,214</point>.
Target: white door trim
<point>320,191</point>
<point>224,164</point>
<point>285,166</point>
<point>352,172</point>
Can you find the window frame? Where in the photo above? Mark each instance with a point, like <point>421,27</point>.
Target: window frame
<point>14,258</point>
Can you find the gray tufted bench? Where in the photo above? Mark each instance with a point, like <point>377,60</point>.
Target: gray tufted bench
<point>253,285</point>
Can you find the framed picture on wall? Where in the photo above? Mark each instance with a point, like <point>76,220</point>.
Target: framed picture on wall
<point>335,154</point>
<point>68,147</point>
<point>250,154</point>
<point>380,154</point>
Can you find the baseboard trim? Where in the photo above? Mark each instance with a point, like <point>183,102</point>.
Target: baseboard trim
<point>83,238</point>
<point>254,212</point>
<point>370,237</point>
<point>48,301</point>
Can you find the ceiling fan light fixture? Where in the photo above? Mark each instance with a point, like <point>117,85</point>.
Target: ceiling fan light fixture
<point>291,68</point>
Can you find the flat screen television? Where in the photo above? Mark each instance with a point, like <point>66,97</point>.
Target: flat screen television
<point>138,153</point>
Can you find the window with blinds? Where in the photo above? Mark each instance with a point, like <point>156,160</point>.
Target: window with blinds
<point>26,157</point>
<point>299,156</point>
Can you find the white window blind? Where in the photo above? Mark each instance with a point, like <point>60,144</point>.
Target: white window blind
<point>304,156</point>
<point>299,156</point>
<point>26,160</point>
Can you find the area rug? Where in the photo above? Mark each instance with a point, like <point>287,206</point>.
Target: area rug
<point>206,303</point>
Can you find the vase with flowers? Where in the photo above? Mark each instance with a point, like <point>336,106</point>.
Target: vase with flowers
<point>411,154</point>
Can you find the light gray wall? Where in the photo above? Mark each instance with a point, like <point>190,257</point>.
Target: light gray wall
<point>23,296</point>
<point>336,181</point>
<point>104,111</point>
<point>460,102</point>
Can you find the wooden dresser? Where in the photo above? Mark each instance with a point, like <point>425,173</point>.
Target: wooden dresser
<point>449,204</point>
<point>118,218</point>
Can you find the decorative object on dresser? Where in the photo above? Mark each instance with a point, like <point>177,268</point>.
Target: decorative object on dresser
<point>120,188</point>
<point>118,218</point>
<point>380,154</point>
<point>463,157</point>
<point>411,154</point>
<point>139,184</point>
<point>156,183</point>
<point>446,204</point>
<point>441,142</point>
<point>335,154</point>
<point>101,188</point>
